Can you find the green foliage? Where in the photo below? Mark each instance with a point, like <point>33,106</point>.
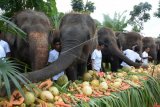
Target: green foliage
<point>98,24</point>
<point>89,7</point>
<point>157,14</point>
<point>118,23</point>
<point>56,19</point>
<point>139,15</point>
<point>8,26</point>
<point>9,73</point>
<point>13,6</point>
<point>79,6</point>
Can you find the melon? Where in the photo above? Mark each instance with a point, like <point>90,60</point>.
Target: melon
<point>62,80</point>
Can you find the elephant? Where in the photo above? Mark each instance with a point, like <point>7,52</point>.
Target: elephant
<point>112,53</point>
<point>34,49</point>
<point>150,42</point>
<point>129,39</point>
<point>77,33</point>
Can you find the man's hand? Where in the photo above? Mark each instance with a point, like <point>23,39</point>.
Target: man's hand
<point>149,57</point>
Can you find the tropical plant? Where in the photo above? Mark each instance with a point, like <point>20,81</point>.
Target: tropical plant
<point>56,19</point>
<point>13,6</point>
<point>9,73</point>
<point>79,6</point>
<point>157,14</point>
<point>8,26</point>
<point>118,23</point>
<point>89,7</point>
<point>139,15</point>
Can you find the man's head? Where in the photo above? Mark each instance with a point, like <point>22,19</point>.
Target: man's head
<point>147,49</point>
<point>57,44</point>
<point>100,45</point>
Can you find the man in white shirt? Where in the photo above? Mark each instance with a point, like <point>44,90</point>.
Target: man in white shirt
<point>132,55</point>
<point>53,56</point>
<point>145,56</point>
<point>96,57</point>
<point>5,46</point>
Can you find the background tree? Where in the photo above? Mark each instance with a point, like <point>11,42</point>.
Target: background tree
<point>139,15</point>
<point>118,23</point>
<point>79,6</point>
<point>157,14</point>
<point>11,7</point>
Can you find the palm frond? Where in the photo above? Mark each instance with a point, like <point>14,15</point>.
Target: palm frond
<point>9,74</point>
<point>8,26</point>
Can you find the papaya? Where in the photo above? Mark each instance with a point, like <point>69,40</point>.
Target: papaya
<point>46,84</point>
<point>16,98</point>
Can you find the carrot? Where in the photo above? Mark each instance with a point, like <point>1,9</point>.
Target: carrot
<point>107,93</point>
<point>79,95</point>
<point>62,104</point>
<point>125,87</point>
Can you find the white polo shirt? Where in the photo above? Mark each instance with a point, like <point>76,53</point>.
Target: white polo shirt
<point>97,59</point>
<point>144,55</point>
<point>53,56</point>
<point>5,46</point>
<point>132,55</point>
<point>2,52</point>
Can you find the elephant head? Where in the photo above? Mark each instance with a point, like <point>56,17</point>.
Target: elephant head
<point>130,39</point>
<point>33,49</point>
<point>111,49</point>
<point>150,42</point>
<point>77,36</point>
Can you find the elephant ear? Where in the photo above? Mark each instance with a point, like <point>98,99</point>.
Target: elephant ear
<point>11,39</point>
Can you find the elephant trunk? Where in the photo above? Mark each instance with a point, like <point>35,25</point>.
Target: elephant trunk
<point>153,52</point>
<point>38,43</point>
<point>115,51</point>
<point>66,58</point>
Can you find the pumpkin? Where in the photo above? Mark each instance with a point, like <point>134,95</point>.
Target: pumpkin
<point>16,98</point>
<point>46,84</point>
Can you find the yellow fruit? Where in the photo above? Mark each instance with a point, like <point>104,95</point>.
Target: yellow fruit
<point>90,72</point>
<point>116,84</point>
<point>103,86</point>
<point>85,83</point>
<point>87,90</point>
<point>118,80</point>
<point>95,83</point>
<point>46,96</point>
<point>54,90</point>
<point>29,98</point>
<point>109,77</point>
<point>134,78</point>
<point>120,74</point>
<point>87,76</point>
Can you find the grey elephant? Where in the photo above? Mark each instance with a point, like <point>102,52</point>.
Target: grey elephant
<point>77,33</point>
<point>129,39</point>
<point>112,52</point>
<point>34,49</point>
<point>150,42</point>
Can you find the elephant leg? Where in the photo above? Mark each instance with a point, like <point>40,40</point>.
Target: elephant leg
<point>89,63</point>
<point>115,64</point>
<point>82,67</point>
<point>71,72</point>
